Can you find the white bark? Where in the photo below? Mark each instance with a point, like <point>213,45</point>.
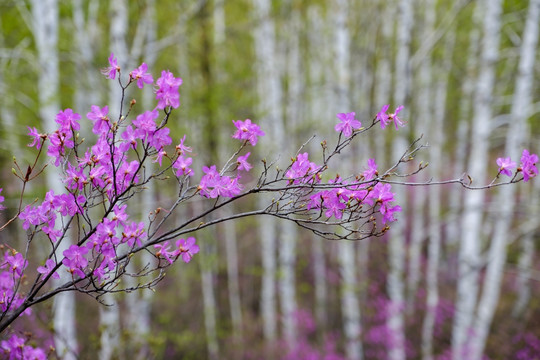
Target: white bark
<point>139,303</point>
<point>506,197</point>
<point>349,299</point>
<point>232,276</point>
<point>396,242</point>
<point>209,299</point>
<point>424,101</point>
<point>109,316</point>
<point>269,92</point>
<point>469,253</point>
<point>316,107</point>
<point>45,31</point>
<point>434,201</point>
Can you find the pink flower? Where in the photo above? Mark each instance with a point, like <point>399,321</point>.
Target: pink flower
<point>49,266</point>
<point>187,248</point>
<point>163,251</point>
<point>348,123</point>
<point>528,162</point>
<point>141,76</point>
<point>246,130</point>
<point>371,171</point>
<point>68,120</point>
<point>110,71</point>
<point>242,162</point>
<point>167,92</point>
<point>37,137</point>
<point>505,165</point>
<point>386,119</point>
<point>182,166</point>
<point>2,207</point>
<point>100,119</point>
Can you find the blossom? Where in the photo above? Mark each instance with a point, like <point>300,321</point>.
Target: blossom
<point>167,92</point>
<point>141,76</point>
<point>100,118</point>
<point>186,248</point>
<point>371,171</point>
<point>246,130</point>
<point>145,122</point>
<point>181,148</point>
<point>242,162</point>
<point>110,71</point>
<point>348,123</point>
<point>47,268</point>
<point>163,251</point>
<point>528,162</point>
<point>2,207</point>
<point>68,120</point>
<point>182,166</point>
<point>37,137</point>
<point>17,263</point>
<point>386,119</point>
<point>302,170</point>
<point>505,165</point>
<point>74,259</point>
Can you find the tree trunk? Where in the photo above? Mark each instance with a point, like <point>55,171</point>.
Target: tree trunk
<point>506,197</point>
<point>396,242</point>
<point>469,252</point>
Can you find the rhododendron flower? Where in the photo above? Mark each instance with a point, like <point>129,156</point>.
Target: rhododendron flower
<point>68,120</point>
<point>2,207</point>
<point>371,171</point>
<point>187,248</point>
<point>167,92</point>
<point>348,123</point>
<point>145,122</point>
<point>528,162</point>
<point>246,130</point>
<point>505,165</point>
<point>74,259</point>
<point>16,263</point>
<point>163,251</point>
<point>110,72</point>
<point>100,119</point>
<point>303,170</point>
<point>243,163</point>
<point>37,140</point>
<point>181,148</point>
<point>141,75</point>
<point>182,166</point>
<point>46,270</point>
<point>386,119</point>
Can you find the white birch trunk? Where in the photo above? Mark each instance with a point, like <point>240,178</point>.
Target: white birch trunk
<point>506,196</point>
<point>396,242</point>
<point>349,299</point>
<point>209,299</point>
<point>233,281</point>
<point>434,202</point>
<point>45,31</point>
<point>269,92</point>
<point>469,253</point>
<point>424,101</point>
<point>109,316</point>
<point>525,262</point>
<point>316,107</point>
<point>453,228</point>
<point>139,303</point>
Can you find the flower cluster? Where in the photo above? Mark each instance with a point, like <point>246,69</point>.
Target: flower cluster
<point>527,166</point>
<point>15,348</point>
<point>386,118</point>
<point>246,130</point>
<point>303,171</point>
<point>185,248</point>
<point>14,264</point>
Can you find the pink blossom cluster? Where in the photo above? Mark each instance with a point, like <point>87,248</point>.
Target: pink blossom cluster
<point>15,348</point>
<point>527,167</point>
<point>14,264</point>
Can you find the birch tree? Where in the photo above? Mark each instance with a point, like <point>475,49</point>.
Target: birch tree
<point>45,31</point>
<point>346,250</point>
<point>396,242</point>
<point>469,252</point>
<point>269,93</point>
<point>434,196</point>
<point>521,105</point>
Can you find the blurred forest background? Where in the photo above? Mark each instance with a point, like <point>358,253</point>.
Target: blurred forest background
<point>456,277</point>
